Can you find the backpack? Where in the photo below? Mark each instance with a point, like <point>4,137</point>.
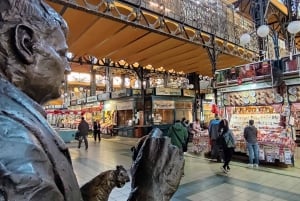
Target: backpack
<point>221,140</point>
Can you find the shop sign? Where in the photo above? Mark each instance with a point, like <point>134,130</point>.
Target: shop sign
<point>81,101</point>
<point>163,104</point>
<point>167,92</point>
<point>73,102</point>
<point>245,87</point>
<point>188,92</point>
<point>120,93</point>
<point>209,96</point>
<point>103,97</point>
<point>109,106</point>
<point>149,91</point>
<point>125,106</point>
<point>54,107</point>
<point>245,72</point>
<point>91,99</point>
<point>136,92</point>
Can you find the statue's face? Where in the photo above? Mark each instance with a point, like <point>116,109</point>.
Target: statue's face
<point>46,76</point>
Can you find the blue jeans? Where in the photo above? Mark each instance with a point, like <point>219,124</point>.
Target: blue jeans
<point>253,150</point>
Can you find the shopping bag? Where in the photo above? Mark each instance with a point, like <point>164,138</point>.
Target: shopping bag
<point>184,147</point>
<point>77,135</point>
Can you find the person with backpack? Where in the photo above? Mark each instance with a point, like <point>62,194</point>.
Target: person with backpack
<point>228,144</point>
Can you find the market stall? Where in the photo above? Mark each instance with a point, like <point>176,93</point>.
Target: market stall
<point>246,93</point>
<point>128,108</point>
<point>165,105</point>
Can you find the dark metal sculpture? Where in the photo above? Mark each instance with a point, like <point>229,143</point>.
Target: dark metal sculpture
<point>35,164</point>
<point>99,188</point>
<point>157,168</point>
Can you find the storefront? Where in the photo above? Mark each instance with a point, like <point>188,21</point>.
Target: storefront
<point>266,105</point>
<point>128,106</point>
<point>163,106</point>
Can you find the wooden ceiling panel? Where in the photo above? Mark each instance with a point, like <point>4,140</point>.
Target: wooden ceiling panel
<point>75,18</point>
<point>97,34</point>
<point>185,64</point>
<point>158,48</point>
<point>137,46</point>
<point>175,52</point>
<point>172,62</point>
<point>119,40</point>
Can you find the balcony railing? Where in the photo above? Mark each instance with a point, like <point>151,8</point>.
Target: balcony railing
<point>210,16</point>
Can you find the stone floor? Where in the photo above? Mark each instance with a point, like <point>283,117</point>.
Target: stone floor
<point>203,179</point>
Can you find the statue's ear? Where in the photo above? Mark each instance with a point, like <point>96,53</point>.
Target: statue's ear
<point>24,43</point>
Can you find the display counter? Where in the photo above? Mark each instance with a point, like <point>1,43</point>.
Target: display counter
<point>125,131</point>
<point>66,134</point>
<point>274,142</point>
<point>141,130</point>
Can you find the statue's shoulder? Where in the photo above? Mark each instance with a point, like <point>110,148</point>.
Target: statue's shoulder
<point>10,128</point>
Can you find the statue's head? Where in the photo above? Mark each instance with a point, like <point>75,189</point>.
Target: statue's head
<point>33,48</point>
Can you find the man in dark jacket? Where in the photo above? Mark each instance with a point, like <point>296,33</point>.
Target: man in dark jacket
<point>250,135</point>
<point>35,164</point>
<point>83,129</point>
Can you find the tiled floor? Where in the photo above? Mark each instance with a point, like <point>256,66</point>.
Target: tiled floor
<point>203,179</point>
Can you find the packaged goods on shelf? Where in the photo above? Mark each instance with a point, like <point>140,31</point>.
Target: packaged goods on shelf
<point>272,137</point>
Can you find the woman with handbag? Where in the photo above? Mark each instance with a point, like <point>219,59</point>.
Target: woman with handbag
<point>227,143</point>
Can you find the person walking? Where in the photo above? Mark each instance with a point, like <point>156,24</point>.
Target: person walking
<point>250,135</point>
<point>213,131</point>
<point>228,144</point>
<point>96,131</point>
<point>83,128</point>
<point>178,134</point>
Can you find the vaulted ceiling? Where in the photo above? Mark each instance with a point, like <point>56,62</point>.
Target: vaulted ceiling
<point>107,38</point>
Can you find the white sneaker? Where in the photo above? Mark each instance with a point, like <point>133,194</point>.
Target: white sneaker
<point>250,165</point>
<point>255,165</point>
<point>224,170</point>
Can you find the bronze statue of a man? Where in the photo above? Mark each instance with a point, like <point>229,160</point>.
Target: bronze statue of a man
<point>35,164</point>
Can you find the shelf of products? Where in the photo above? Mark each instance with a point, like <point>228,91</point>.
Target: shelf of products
<point>207,114</point>
<point>272,138</point>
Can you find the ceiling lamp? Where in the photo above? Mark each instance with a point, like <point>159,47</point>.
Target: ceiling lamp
<point>122,62</point>
<point>69,56</point>
<point>294,27</point>
<point>160,69</point>
<point>263,31</point>
<point>245,39</point>
<point>136,64</point>
<point>93,60</point>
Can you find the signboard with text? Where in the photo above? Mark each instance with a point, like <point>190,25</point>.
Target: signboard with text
<point>167,92</point>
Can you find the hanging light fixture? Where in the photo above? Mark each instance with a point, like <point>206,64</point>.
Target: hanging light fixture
<point>245,39</point>
<point>294,27</point>
<point>263,31</point>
